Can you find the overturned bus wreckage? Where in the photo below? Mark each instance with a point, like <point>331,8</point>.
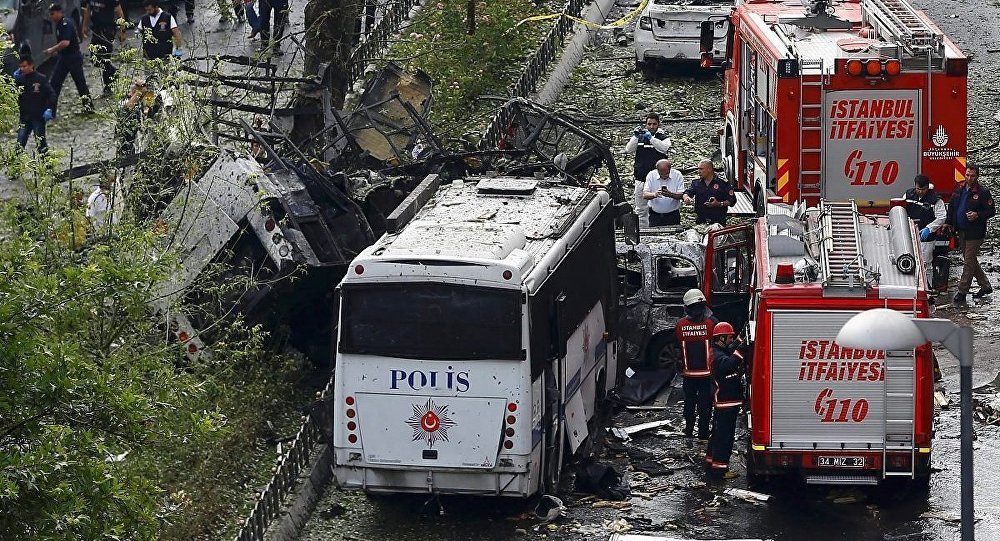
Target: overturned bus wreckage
<point>293,219</point>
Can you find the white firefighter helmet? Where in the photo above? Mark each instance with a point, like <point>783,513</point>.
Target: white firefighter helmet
<point>693,296</point>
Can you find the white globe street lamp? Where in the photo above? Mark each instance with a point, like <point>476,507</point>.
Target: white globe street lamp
<point>885,329</point>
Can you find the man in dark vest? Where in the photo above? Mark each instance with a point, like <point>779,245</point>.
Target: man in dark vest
<point>727,384</point>
<point>694,332</point>
<point>927,209</point>
<point>69,60</point>
<point>159,33</point>
<point>649,144</point>
<point>101,18</point>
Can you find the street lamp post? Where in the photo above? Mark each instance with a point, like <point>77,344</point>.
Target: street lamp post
<point>886,329</point>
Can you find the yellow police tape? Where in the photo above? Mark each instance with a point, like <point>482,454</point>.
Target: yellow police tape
<point>620,22</point>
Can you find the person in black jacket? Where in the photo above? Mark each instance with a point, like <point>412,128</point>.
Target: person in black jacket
<point>101,18</point>
<point>70,59</point>
<point>971,206</point>
<point>727,382</point>
<point>35,102</point>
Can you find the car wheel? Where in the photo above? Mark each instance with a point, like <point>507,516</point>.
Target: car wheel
<point>663,351</point>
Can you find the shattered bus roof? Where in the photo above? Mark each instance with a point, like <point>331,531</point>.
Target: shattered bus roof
<point>496,220</point>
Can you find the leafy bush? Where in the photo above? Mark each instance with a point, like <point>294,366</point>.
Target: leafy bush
<point>107,430</point>
<point>464,66</point>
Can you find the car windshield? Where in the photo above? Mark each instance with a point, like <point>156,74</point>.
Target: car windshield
<point>431,321</point>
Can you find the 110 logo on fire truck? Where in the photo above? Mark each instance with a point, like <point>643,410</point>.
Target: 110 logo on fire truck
<point>871,141</point>
<point>881,119</point>
<point>825,360</point>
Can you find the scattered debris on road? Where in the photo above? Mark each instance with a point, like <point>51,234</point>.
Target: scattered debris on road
<point>748,495</point>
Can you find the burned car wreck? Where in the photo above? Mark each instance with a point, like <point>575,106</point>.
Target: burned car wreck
<point>656,272</point>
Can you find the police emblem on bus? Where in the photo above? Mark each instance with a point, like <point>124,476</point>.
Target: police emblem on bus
<point>430,422</point>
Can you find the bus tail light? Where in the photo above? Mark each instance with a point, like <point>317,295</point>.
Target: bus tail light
<point>352,438</point>
<point>507,275</point>
<point>512,407</point>
<point>359,269</point>
<point>508,445</point>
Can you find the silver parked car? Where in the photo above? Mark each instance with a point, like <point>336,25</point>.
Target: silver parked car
<point>670,30</point>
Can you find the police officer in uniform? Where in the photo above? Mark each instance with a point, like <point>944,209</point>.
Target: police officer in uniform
<point>710,195</point>
<point>727,383</point>
<point>927,209</point>
<point>649,144</point>
<point>159,33</point>
<point>70,60</point>
<point>35,102</point>
<point>101,18</point>
<point>694,332</point>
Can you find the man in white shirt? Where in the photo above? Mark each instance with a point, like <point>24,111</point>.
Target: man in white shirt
<point>648,144</point>
<point>98,206</point>
<point>663,191</point>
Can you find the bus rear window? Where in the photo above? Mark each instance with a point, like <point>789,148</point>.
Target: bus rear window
<point>431,321</point>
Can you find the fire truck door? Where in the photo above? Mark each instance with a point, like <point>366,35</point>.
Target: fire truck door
<point>728,273</point>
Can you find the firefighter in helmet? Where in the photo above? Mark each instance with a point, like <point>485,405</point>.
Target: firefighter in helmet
<point>727,383</point>
<point>694,332</point>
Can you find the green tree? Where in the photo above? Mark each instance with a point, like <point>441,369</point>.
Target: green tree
<point>107,430</point>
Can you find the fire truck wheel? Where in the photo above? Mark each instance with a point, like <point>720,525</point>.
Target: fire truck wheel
<point>755,481</point>
<point>922,483</point>
<point>663,350</point>
<point>759,201</point>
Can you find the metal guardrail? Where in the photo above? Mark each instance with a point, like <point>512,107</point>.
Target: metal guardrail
<point>377,41</point>
<point>534,69</point>
<point>290,464</point>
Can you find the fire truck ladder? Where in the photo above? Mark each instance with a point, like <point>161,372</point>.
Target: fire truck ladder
<point>899,403</point>
<point>841,245</point>
<point>812,83</point>
<point>896,20</point>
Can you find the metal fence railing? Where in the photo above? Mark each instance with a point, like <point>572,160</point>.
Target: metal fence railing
<point>533,70</point>
<point>290,464</point>
<point>377,41</point>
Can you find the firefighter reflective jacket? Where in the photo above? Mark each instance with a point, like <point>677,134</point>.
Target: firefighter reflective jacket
<point>695,338</point>
<point>727,377</point>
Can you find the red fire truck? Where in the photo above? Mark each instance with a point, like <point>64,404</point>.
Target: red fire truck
<point>832,414</point>
<point>839,103</point>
